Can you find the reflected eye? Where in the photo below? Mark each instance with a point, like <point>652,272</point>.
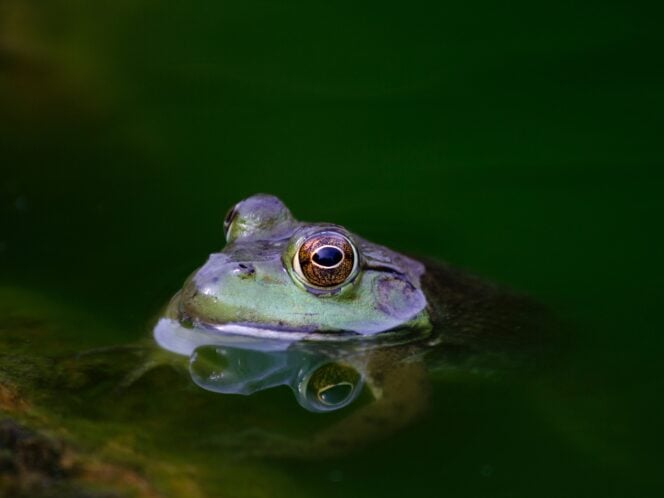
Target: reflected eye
<point>325,260</point>
<point>331,386</point>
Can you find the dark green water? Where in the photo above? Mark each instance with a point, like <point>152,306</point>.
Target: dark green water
<point>522,141</point>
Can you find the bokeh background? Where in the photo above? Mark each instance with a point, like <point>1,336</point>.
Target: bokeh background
<point>521,140</point>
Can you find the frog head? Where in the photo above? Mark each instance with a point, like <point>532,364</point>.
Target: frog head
<point>280,278</point>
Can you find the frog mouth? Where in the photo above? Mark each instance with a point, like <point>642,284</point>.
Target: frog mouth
<point>181,330</point>
<point>183,338</point>
<point>188,320</point>
<point>263,331</point>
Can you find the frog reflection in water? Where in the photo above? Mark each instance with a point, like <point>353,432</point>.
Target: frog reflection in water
<point>315,307</point>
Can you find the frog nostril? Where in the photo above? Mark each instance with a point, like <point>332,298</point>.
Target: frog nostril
<point>244,270</point>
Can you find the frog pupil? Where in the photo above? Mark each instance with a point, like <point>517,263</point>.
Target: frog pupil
<point>328,256</point>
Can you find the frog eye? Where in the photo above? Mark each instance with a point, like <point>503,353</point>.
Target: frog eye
<point>228,220</point>
<point>325,260</point>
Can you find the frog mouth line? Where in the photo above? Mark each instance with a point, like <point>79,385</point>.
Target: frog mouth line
<point>186,320</point>
<point>282,332</point>
<point>183,320</point>
<point>258,330</point>
<point>269,332</point>
<point>178,338</point>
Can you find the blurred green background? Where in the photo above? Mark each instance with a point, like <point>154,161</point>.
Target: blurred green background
<point>521,140</point>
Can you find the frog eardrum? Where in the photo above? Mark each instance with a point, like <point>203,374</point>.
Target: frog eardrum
<point>325,259</point>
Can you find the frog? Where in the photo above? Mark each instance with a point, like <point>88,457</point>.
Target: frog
<point>283,279</point>
<point>288,280</point>
<point>330,314</point>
